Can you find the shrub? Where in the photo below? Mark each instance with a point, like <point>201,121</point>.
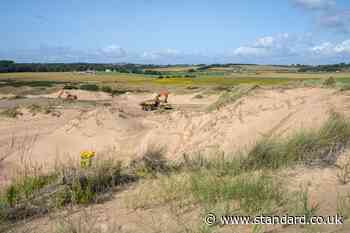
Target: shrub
<point>198,96</point>
<point>107,89</point>
<point>70,87</point>
<point>11,112</point>
<point>89,87</point>
<point>151,163</point>
<point>329,82</point>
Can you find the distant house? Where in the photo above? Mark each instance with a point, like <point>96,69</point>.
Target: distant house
<point>92,72</point>
<point>87,72</point>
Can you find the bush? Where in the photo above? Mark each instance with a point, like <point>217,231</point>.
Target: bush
<point>198,96</point>
<point>70,87</point>
<point>89,87</point>
<point>151,163</point>
<point>11,112</point>
<point>329,82</point>
<point>107,89</point>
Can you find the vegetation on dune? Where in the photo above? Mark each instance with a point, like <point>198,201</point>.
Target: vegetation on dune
<point>229,97</point>
<point>49,109</point>
<point>314,146</point>
<point>242,184</point>
<point>329,82</point>
<point>89,87</point>
<point>11,112</point>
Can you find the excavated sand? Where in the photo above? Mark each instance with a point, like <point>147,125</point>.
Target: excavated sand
<point>81,94</point>
<point>123,131</point>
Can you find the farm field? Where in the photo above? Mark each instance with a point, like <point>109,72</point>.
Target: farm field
<point>249,144</point>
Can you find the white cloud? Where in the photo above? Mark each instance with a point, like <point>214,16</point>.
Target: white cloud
<point>279,45</point>
<point>331,49</point>
<point>250,51</point>
<point>314,4</point>
<point>343,47</point>
<point>325,48</point>
<point>166,53</point>
<point>113,51</point>
<point>263,42</point>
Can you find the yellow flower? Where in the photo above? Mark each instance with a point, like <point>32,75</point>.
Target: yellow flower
<point>87,154</point>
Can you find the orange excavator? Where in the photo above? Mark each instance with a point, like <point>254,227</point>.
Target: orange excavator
<point>157,102</point>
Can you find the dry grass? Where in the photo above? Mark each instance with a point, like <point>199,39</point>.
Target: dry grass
<point>229,97</point>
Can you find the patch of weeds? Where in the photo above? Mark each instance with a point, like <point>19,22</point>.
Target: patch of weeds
<point>107,89</point>
<point>343,206</point>
<point>192,87</point>
<point>345,87</point>
<point>151,163</point>
<point>163,190</point>
<point>86,222</point>
<point>17,83</point>
<point>89,87</point>
<point>254,193</point>
<point>343,173</point>
<point>219,165</point>
<point>11,112</point>
<point>329,82</point>
<point>84,186</point>
<point>118,92</point>
<point>35,109</point>
<point>35,195</point>
<point>70,87</point>
<point>16,97</point>
<point>303,206</point>
<point>229,97</point>
<point>309,147</point>
<point>26,188</point>
<point>198,96</point>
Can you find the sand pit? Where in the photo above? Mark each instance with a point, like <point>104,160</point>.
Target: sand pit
<point>125,131</point>
<point>81,94</point>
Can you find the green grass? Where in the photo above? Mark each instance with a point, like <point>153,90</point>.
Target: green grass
<point>321,145</point>
<point>254,193</point>
<point>89,87</point>
<point>137,80</point>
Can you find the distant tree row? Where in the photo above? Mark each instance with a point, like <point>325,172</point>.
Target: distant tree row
<point>325,68</point>
<point>7,66</point>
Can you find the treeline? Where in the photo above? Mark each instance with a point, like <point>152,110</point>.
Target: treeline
<point>10,67</point>
<point>326,68</point>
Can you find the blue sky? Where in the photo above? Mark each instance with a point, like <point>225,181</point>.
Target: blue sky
<point>164,31</point>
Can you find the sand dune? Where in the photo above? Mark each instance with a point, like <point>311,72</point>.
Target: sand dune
<point>126,131</point>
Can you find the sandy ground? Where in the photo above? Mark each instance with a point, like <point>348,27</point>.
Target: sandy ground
<point>124,131</point>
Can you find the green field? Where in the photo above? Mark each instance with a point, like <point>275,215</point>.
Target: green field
<point>176,79</point>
